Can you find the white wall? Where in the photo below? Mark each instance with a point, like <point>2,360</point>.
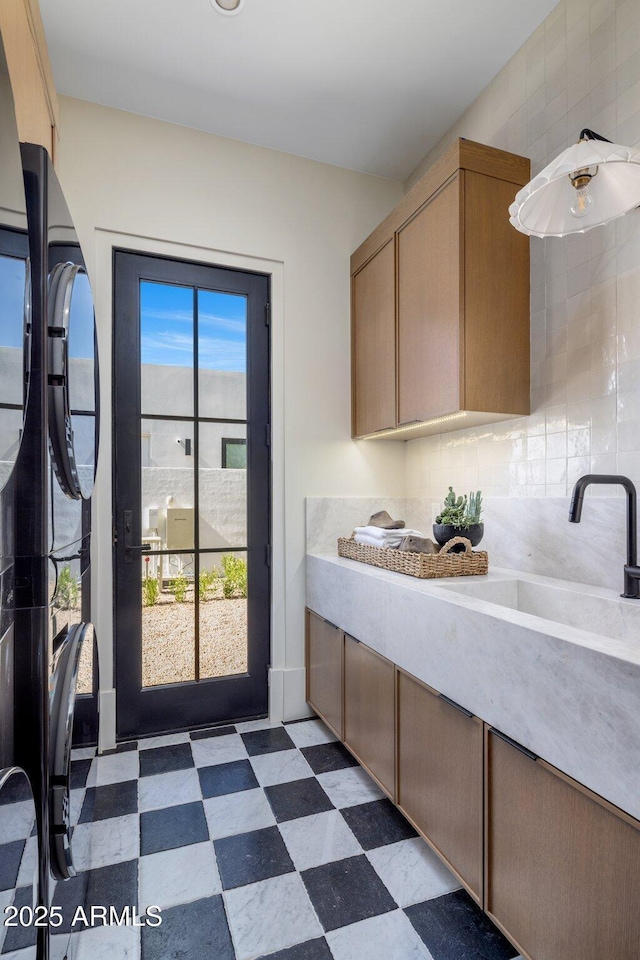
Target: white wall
<point>149,185</point>
<point>581,68</point>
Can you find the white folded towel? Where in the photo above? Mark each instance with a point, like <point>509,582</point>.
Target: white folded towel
<point>382,538</point>
<point>376,533</point>
<point>379,533</point>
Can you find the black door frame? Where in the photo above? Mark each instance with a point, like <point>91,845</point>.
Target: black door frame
<point>205,702</point>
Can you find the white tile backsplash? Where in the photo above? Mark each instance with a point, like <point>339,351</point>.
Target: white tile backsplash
<point>531,533</point>
<point>581,68</point>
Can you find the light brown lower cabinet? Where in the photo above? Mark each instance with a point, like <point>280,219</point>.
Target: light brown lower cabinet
<point>562,866</point>
<point>369,711</point>
<point>440,767</point>
<point>556,867</point>
<point>324,670</point>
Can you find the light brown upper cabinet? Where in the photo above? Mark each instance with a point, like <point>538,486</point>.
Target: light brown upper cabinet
<point>562,866</point>
<point>34,92</point>
<point>440,302</point>
<point>374,342</point>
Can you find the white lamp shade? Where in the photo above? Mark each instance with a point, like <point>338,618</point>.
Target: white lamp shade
<point>542,208</point>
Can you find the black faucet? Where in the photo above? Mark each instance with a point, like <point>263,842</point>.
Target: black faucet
<point>631,568</point>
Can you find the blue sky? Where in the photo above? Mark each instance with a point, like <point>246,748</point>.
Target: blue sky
<point>166,327</point>
<point>81,343</point>
<point>12,272</point>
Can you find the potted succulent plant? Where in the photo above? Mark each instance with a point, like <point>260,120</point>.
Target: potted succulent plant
<point>460,517</point>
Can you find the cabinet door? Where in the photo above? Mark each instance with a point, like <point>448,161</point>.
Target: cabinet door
<point>324,670</point>
<point>440,767</point>
<point>429,308</point>
<point>30,73</point>
<point>374,344</point>
<point>563,869</point>
<point>496,300</point>
<point>369,710</point>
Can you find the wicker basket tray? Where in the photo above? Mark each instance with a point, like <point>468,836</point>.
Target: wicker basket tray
<point>423,565</point>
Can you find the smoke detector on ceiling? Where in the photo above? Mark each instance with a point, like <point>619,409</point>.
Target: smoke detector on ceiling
<point>228,7</point>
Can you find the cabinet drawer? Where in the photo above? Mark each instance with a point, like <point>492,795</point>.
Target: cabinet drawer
<point>324,670</point>
<point>440,768</point>
<point>369,710</point>
<point>562,868</point>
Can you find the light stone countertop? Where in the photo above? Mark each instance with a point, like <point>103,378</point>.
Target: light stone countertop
<point>568,693</point>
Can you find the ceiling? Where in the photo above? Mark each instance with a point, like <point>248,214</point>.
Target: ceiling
<point>367,84</point>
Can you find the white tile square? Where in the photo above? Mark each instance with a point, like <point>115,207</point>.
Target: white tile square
<point>105,943</point>
<point>19,824</point>
<point>6,899</point>
<point>168,789</point>
<point>281,767</point>
<point>236,813</point>
<point>178,876</point>
<point>246,725</point>
<point>320,838</point>
<point>83,753</point>
<point>214,750</point>
<point>58,947</point>
<point>76,799</point>
<point>309,733</point>
<point>106,841</point>
<point>389,936</point>
<point>28,872</point>
<point>411,872</point>
<point>115,768</point>
<point>346,788</point>
<point>26,954</point>
<point>270,915</point>
<point>166,740</point>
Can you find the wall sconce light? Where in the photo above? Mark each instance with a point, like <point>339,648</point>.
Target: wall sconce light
<point>187,446</point>
<point>592,182</point>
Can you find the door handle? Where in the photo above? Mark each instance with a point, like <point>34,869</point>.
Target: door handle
<point>134,548</point>
<point>130,549</point>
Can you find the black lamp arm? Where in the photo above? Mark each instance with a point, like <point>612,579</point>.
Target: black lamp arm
<point>587,134</point>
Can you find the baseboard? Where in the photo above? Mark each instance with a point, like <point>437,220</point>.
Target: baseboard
<point>106,720</point>
<point>287,701</point>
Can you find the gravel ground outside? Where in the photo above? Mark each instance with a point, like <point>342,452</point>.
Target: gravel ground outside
<point>168,641</point>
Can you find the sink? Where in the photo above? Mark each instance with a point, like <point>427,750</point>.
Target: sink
<point>581,606</point>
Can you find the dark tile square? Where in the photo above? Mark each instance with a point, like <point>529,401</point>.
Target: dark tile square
<point>300,798</point>
<point>112,800</point>
<point>310,950</point>
<point>172,827</point>
<point>18,938</point>
<point>227,778</point>
<point>212,732</point>
<point>377,823</point>
<point>346,891</point>
<point>115,885</point>
<point>79,773</point>
<point>16,789</point>
<point>325,757</point>
<point>249,857</point>
<point>126,747</point>
<point>453,927</point>
<point>271,740</point>
<point>10,858</point>
<point>178,756</point>
<point>191,931</point>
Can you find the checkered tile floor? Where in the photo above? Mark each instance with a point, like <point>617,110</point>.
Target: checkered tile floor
<point>258,841</point>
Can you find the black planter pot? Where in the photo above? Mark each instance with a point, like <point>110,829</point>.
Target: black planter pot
<point>443,533</point>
